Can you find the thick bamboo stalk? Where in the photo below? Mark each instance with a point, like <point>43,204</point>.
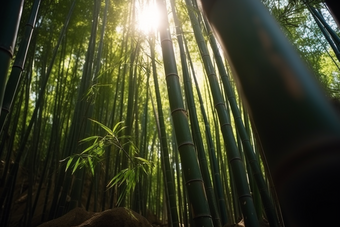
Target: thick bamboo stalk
<point>10,15</point>
<point>298,128</point>
<point>18,65</point>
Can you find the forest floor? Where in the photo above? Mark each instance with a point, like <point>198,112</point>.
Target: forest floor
<point>78,217</point>
<point>118,217</point>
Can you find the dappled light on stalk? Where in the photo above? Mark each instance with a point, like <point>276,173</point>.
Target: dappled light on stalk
<point>147,16</point>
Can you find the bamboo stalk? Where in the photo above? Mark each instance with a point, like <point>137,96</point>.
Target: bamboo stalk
<point>298,128</point>
<point>252,160</point>
<point>18,65</point>
<point>233,155</point>
<point>193,177</point>
<point>10,17</point>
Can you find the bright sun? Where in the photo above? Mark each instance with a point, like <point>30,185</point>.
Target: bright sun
<point>147,17</point>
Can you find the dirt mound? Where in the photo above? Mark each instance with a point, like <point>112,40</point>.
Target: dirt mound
<point>117,217</point>
<point>72,218</point>
<point>263,223</point>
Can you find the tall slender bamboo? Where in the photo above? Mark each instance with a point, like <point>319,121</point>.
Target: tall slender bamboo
<point>164,144</point>
<point>54,134</point>
<point>192,174</point>
<point>238,169</point>
<point>302,130</point>
<point>132,83</point>
<point>248,149</point>
<point>213,160</point>
<point>197,137</point>
<point>7,193</point>
<point>80,125</point>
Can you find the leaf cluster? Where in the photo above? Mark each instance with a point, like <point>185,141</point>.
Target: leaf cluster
<point>93,155</point>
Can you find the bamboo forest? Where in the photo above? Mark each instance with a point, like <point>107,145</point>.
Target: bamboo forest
<point>169,113</point>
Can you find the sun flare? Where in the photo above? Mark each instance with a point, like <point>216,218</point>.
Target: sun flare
<point>147,17</point>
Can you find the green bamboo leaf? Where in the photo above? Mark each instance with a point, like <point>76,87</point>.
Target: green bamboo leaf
<point>143,160</point>
<point>144,170</point>
<point>120,199</point>
<point>130,213</point>
<point>68,163</point>
<point>121,129</point>
<point>90,138</point>
<point>94,146</point>
<point>117,125</point>
<point>110,184</point>
<point>76,165</point>
<point>126,175</point>
<point>90,164</point>
<point>117,178</point>
<point>107,129</point>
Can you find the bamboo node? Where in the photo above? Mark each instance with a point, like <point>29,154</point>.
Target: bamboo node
<point>194,180</point>
<point>186,143</point>
<point>244,196</point>
<point>7,50</point>
<point>219,103</point>
<point>171,74</point>
<point>166,40</point>
<point>202,216</point>
<point>225,124</point>
<point>235,159</point>
<point>179,109</point>
<point>211,74</point>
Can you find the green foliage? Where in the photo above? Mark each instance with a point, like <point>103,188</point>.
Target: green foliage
<point>129,177</point>
<point>93,155</point>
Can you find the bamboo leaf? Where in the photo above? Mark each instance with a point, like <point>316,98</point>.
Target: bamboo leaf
<point>89,148</point>
<point>143,160</point>
<point>90,164</point>
<point>76,166</point>
<point>144,170</point>
<point>120,199</point>
<point>68,163</point>
<point>90,138</point>
<point>117,125</point>
<point>117,178</point>
<point>107,129</point>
